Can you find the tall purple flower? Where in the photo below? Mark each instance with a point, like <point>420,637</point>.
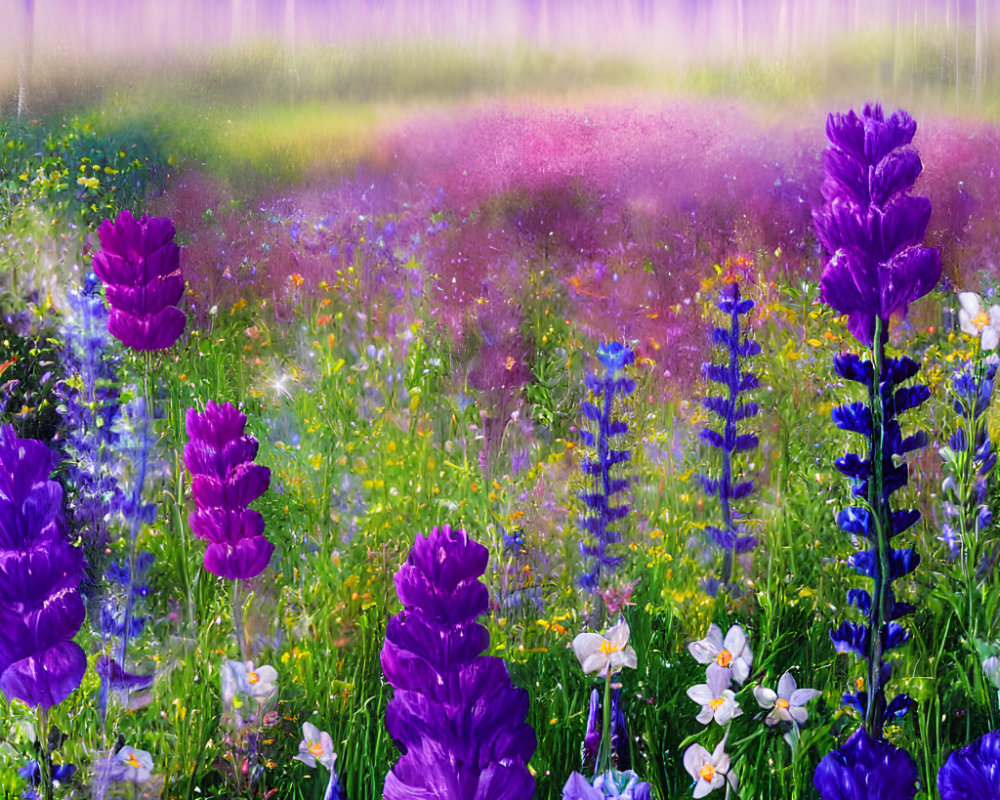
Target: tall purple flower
<point>865,768</point>
<point>872,229</point>
<point>219,456</point>
<point>455,716</point>
<point>140,267</point>
<point>600,521</point>
<point>40,607</point>
<point>731,409</point>
<point>972,772</point>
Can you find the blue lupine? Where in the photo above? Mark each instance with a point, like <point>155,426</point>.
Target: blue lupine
<point>731,538</point>
<point>599,523</point>
<point>970,459</point>
<point>90,412</point>
<point>873,231</point>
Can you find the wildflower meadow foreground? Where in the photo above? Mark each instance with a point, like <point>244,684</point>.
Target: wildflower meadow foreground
<point>463,476</point>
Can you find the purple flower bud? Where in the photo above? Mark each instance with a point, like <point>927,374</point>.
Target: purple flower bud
<point>225,481</point>
<point>455,716</point>
<point>40,607</point>
<point>140,267</point>
<point>865,768</point>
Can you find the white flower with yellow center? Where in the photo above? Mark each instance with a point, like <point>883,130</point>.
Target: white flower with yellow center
<point>598,653</point>
<point>316,746</point>
<point>715,697</point>
<point>709,770</point>
<point>975,320</point>
<point>134,765</point>
<point>733,652</point>
<point>788,703</point>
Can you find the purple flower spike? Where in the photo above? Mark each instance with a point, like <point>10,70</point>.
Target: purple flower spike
<point>140,267</point>
<point>973,771</point>
<point>871,228</point>
<point>219,456</point>
<point>865,768</point>
<point>40,607</point>
<point>455,716</point>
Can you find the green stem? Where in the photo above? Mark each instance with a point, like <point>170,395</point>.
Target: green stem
<point>604,760</point>
<point>44,757</point>
<point>879,506</point>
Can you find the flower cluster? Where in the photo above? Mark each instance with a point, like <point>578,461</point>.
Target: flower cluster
<point>455,716</point>
<point>872,229</point>
<point>601,516</point>
<point>139,264</point>
<point>90,410</point>
<point>40,607</point>
<point>219,456</point>
<point>969,460</point>
<point>731,409</point>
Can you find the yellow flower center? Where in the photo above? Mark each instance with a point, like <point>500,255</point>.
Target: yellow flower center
<point>609,647</point>
<point>253,677</point>
<point>981,320</point>
<point>707,773</point>
<point>724,659</point>
<point>860,683</point>
<point>316,748</point>
<point>781,702</point>
<point>714,704</point>
<point>132,761</point>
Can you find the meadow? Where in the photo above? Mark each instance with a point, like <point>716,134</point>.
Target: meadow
<point>415,304</point>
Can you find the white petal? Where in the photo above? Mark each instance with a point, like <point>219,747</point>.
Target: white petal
<point>695,757</point>
<point>765,697</point>
<point>990,339</point>
<point>970,303</point>
<point>724,713</point>
<point>736,640</point>
<point>741,670</point>
<point>629,658</point>
<point>595,662</point>
<point>585,645</point>
<point>310,732</point>
<point>802,696</point>
<point>786,685</point>
<point>619,633</point>
<point>705,715</point>
<point>798,713</point>
<point>966,324</point>
<point>702,788</point>
<point>702,651</point>
<point>718,678</point>
<point>701,694</point>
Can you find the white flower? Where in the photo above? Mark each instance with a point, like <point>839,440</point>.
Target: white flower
<point>316,745</point>
<point>710,771</point>
<point>599,653</point>
<point>134,765</point>
<point>976,321</point>
<point>991,666</point>
<point>243,680</point>
<point>732,652</point>
<point>716,699</point>
<point>787,705</point>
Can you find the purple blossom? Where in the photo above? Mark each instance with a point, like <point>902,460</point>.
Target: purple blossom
<point>455,716</point>
<point>972,772</point>
<point>219,456</point>
<point>865,768</point>
<point>872,229</point>
<point>40,607</point>
<point>139,264</point>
